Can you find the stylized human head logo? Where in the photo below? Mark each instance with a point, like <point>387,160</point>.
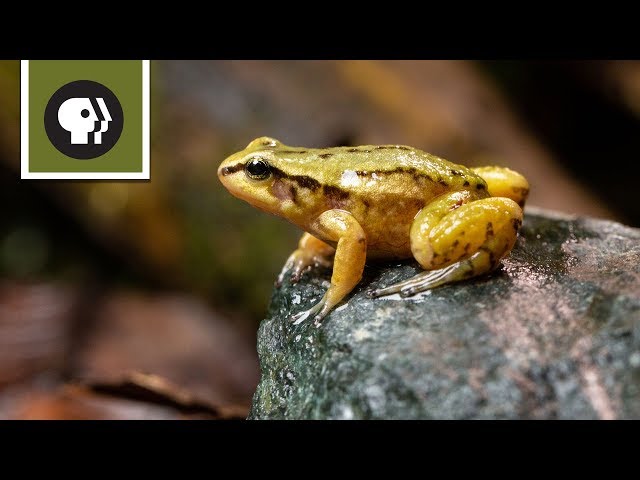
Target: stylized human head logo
<point>83,119</point>
<point>78,116</point>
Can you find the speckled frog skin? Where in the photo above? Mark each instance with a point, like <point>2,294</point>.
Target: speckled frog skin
<point>380,202</point>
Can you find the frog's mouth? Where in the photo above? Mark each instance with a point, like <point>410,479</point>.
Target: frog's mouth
<point>267,204</point>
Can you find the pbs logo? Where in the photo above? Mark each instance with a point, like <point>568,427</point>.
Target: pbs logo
<point>83,119</point>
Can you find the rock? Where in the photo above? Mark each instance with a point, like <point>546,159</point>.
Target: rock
<point>555,333</point>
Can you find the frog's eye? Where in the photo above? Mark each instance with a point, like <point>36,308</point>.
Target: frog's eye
<point>258,169</point>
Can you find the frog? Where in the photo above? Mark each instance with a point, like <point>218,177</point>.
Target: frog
<point>380,203</point>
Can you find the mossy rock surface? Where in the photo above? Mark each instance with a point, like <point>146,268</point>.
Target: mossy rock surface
<point>555,333</point>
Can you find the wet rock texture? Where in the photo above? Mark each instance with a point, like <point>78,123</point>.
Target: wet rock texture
<point>555,333</point>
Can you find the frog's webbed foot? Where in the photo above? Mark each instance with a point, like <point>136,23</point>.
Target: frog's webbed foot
<point>310,253</point>
<point>296,265</point>
<point>434,278</point>
<point>317,313</point>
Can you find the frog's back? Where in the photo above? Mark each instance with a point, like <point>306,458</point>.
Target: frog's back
<point>384,171</point>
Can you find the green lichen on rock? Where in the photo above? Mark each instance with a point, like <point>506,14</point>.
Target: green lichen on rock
<point>555,333</point>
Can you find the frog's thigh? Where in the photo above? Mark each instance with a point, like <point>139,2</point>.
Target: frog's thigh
<point>463,231</point>
<point>467,242</point>
<point>504,182</point>
<point>310,252</point>
<point>350,255</point>
<point>427,220</point>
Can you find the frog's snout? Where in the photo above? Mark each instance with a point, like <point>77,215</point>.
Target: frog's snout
<point>225,171</point>
<point>222,173</point>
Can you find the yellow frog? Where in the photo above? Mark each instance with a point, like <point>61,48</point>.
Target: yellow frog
<point>380,202</point>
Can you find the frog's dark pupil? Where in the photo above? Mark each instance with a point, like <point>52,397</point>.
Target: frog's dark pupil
<point>258,169</point>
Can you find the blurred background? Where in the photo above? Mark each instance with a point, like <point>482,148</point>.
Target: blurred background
<point>142,299</point>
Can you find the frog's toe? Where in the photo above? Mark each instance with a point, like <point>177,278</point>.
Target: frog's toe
<point>300,317</point>
<point>399,288</point>
<point>378,292</point>
<point>280,280</point>
<point>372,292</point>
<point>295,269</point>
<point>411,291</point>
<point>298,272</point>
<point>317,312</point>
<point>427,280</point>
<point>289,264</point>
<point>295,278</point>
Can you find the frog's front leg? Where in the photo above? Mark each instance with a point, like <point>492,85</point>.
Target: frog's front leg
<point>348,264</point>
<point>311,252</point>
<point>455,240</point>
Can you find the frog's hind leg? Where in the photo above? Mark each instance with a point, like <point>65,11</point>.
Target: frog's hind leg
<point>456,242</point>
<point>476,264</point>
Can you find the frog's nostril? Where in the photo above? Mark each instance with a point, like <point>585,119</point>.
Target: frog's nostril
<point>224,171</point>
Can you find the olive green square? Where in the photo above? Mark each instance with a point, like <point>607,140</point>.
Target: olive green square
<point>122,77</point>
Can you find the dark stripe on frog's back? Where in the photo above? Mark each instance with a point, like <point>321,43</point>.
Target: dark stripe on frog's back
<point>328,165</point>
<point>304,181</point>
